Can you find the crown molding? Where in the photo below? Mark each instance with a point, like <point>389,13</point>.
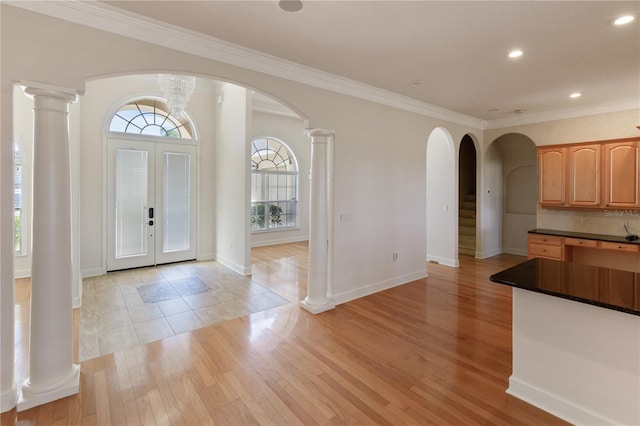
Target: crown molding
<point>623,105</point>
<point>113,20</point>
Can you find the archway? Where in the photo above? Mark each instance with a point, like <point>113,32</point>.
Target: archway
<point>467,172</point>
<point>518,174</point>
<point>442,200</point>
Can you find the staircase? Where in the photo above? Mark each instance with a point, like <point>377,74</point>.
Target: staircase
<point>467,226</point>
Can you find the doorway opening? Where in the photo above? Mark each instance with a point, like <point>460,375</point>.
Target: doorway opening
<point>467,197</point>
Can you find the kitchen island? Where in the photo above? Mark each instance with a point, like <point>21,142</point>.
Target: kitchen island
<point>576,340</point>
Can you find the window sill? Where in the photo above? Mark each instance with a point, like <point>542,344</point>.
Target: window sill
<point>266,231</point>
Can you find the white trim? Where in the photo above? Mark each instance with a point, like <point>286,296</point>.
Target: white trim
<point>9,398</point>
<point>369,289</point>
<point>22,273</point>
<point>487,254</point>
<point>113,20</point>
<point>554,404</point>
<point>93,272</point>
<point>512,250</point>
<point>234,266</point>
<point>76,302</point>
<point>204,257</point>
<point>623,105</point>
<point>279,241</point>
<point>454,263</point>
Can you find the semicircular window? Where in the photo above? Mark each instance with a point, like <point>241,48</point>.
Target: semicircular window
<point>150,117</point>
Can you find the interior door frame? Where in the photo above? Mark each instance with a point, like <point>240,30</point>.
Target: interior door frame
<point>105,176</point>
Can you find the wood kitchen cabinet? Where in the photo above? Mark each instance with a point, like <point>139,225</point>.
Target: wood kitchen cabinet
<point>546,246</point>
<point>622,175</point>
<point>591,175</point>
<point>551,176</point>
<point>584,175</point>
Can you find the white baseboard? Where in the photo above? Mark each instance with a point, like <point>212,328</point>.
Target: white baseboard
<point>22,273</point>
<point>278,241</point>
<point>234,266</point>
<point>454,263</point>
<point>369,289</point>
<point>9,398</point>
<point>487,254</point>
<point>93,272</point>
<point>559,407</point>
<point>513,250</point>
<point>207,256</point>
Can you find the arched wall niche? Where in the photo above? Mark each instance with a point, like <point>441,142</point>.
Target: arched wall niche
<point>514,163</point>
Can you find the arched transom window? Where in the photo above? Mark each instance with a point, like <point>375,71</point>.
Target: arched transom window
<point>274,186</point>
<point>150,117</point>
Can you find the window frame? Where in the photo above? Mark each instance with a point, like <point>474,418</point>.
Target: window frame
<point>270,221</point>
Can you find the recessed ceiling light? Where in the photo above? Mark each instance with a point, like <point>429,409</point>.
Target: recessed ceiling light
<point>515,53</point>
<point>624,20</point>
<point>575,95</point>
<point>290,5</point>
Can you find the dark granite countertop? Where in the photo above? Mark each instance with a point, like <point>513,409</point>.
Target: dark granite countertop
<point>583,235</point>
<point>604,287</point>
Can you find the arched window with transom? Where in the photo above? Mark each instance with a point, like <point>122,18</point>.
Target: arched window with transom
<point>274,185</point>
<point>150,117</point>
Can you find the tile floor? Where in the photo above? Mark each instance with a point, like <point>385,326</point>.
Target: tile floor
<point>126,308</point>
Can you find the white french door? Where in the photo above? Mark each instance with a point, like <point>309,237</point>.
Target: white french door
<point>151,203</point>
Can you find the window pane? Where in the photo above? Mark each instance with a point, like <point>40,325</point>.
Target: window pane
<point>274,181</point>
<point>149,117</point>
<point>176,202</point>
<point>17,200</point>
<point>258,217</point>
<point>131,203</point>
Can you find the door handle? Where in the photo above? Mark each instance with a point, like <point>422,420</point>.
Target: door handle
<point>151,214</point>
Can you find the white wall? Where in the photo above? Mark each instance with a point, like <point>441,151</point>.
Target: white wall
<point>289,130</point>
<point>233,115</point>
<point>442,199</point>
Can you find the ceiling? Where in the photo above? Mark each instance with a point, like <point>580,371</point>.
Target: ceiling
<point>457,51</point>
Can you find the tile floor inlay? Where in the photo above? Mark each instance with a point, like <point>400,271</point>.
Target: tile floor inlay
<point>126,308</point>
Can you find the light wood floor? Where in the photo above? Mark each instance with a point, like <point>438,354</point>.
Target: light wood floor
<point>435,351</point>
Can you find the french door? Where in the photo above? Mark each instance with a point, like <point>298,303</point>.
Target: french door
<point>151,203</point>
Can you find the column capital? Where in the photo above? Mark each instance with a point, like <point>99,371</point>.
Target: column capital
<point>33,89</point>
<point>319,133</point>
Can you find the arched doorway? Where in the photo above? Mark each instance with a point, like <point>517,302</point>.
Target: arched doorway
<point>467,161</point>
<point>442,200</point>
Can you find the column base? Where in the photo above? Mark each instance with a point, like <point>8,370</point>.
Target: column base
<point>32,396</point>
<point>8,399</point>
<point>316,309</point>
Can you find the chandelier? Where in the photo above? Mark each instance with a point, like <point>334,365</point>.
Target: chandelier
<point>177,89</point>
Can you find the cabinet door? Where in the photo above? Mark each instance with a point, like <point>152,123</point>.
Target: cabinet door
<point>551,178</point>
<point>622,178</point>
<point>583,189</point>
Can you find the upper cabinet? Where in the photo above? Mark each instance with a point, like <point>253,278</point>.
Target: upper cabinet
<point>551,176</point>
<point>583,170</point>
<point>595,175</point>
<point>622,175</point>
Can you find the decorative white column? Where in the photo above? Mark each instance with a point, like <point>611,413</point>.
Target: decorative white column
<point>52,374</point>
<point>317,300</point>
